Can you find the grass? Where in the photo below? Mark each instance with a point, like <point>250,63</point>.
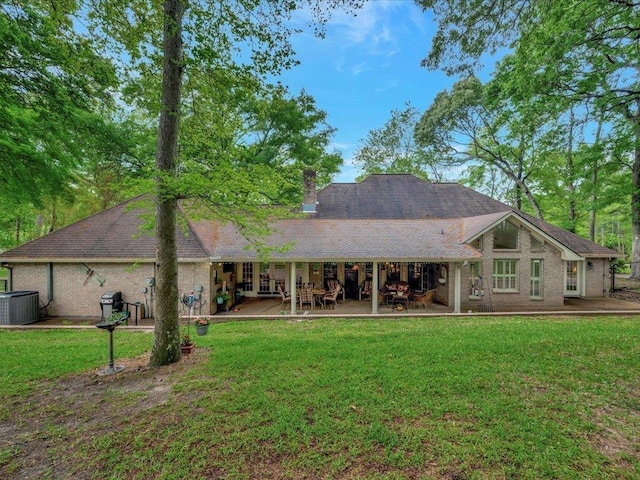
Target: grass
<point>31,356</point>
<point>468,397</point>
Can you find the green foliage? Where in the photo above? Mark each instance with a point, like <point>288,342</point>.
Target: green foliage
<point>64,151</point>
<point>570,68</point>
<point>51,84</point>
<point>393,149</point>
<point>469,125</point>
<point>264,140</point>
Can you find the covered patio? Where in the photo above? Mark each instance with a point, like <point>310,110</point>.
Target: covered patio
<point>272,308</point>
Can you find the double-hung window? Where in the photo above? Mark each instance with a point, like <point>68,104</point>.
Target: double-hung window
<point>505,275</point>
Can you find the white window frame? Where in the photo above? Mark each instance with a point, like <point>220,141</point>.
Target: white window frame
<point>505,275</point>
<point>536,285</point>
<point>574,273</point>
<point>247,276</point>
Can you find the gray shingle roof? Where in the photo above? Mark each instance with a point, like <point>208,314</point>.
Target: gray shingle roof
<point>355,240</point>
<point>384,196</point>
<point>403,196</point>
<point>115,233</point>
<point>390,217</point>
<point>582,246</point>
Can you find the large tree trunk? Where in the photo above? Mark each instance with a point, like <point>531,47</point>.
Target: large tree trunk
<point>635,209</point>
<point>571,173</point>
<point>166,345</point>
<point>594,181</point>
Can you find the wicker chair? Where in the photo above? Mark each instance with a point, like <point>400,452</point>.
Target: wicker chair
<point>331,297</point>
<point>285,298</point>
<point>424,299</point>
<point>306,296</point>
<point>333,285</point>
<point>365,290</point>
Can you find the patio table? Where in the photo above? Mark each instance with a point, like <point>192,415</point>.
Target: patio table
<point>404,299</point>
<point>318,293</point>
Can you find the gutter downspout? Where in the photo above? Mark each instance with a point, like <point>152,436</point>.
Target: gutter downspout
<point>9,277</point>
<point>50,282</point>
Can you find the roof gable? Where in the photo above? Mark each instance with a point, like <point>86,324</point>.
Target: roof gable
<point>476,226</point>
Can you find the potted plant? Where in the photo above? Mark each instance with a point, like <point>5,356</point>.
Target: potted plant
<point>187,346</point>
<point>222,298</point>
<point>202,325</point>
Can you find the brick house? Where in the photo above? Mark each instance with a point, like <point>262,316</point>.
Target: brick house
<point>476,252</point>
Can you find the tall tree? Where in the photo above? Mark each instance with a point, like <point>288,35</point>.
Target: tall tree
<point>571,50</point>
<point>392,149</point>
<point>462,126</point>
<point>234,35</point>
<point>54,88</point>
<point>166,346</point>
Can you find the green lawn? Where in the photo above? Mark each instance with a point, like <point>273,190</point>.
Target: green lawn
<point>450,398</point>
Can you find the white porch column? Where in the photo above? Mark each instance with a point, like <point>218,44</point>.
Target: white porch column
<point>456,289</point>
<point>292,282</point>
<point>374,289</point>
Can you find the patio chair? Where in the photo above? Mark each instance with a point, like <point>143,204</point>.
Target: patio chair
<point>424,299</point>
<point>332,297</point>
<point>306,296</point>
<point>365,290</point>
<point>285,298</point>
<point>335,284</point>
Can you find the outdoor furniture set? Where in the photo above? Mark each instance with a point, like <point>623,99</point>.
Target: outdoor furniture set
<point>312,296</point>
<point>393,293</point>
<point>399,293</point>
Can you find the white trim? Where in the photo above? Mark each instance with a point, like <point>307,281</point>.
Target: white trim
<point>292,283</point>
<point>580,279</point>
<point>457,282</point>
<point>374,289</point>
<point>565,252</point>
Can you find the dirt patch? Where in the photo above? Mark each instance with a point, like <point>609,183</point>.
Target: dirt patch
<point>626,289</point>
<point>77,409</point>
<point>625,294</point>
<point>615,438</point>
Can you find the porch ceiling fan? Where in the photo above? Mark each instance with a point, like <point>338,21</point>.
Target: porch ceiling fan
<point>99,279</point>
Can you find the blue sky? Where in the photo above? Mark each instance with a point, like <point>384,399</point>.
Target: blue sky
<point>365,67</point>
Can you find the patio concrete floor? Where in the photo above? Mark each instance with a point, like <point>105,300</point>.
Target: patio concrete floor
<point>270,308</point>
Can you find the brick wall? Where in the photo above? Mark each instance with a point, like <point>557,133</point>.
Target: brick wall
<point>598,278</point>
<point>552,278</point>
<point>76,296</point>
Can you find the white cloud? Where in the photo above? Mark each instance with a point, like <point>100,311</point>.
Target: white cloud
<point>371,26</point>
<point>358,68</point>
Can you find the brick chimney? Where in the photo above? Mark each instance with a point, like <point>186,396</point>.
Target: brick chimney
<point>309,198</point>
